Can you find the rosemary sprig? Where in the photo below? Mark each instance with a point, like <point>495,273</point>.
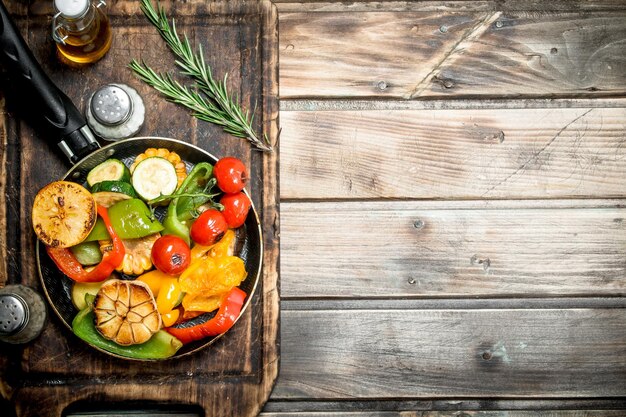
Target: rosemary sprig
<point>221,108</point>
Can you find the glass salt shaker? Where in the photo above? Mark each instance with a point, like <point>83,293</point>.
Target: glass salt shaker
<point>81,30</point>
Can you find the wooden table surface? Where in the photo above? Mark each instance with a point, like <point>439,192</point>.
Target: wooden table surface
<point>452,209</point>
<point>453,233</point>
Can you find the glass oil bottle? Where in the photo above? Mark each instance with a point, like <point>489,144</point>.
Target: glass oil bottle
<point>81,30</point>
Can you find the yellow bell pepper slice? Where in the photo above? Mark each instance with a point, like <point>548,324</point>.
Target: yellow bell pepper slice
<point>154,279</point>
<point>170,318</point>
<point>169,295</point>
<point>218,250</point>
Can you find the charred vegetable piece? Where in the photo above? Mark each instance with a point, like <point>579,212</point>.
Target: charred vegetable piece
<point>114,187</point>
<point>161,345</point>
<point>63,214</point>
<point>87,253</point>
<point>221,322</point>
<point>137,258</point>
<point>82,289</point>
<point>108,198</point>
<point>67,263</point>
<point>154,177</point>
<point>194,192</point>
<point>126,312</point>
<point>131,219</point>
<point>172,157</point>
<point>109,170</point>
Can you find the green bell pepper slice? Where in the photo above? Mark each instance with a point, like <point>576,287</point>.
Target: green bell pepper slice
<point>131,219</point>
<point>160,346</point>
<point>192,193</point>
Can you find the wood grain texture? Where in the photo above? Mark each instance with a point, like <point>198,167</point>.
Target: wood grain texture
<point>468,353</point>
<point>465,153</point>
<point>413,249</point>
<point>418,54</point>
<point>287,6</point>
<point>58,369</point>
<point>534,413</point>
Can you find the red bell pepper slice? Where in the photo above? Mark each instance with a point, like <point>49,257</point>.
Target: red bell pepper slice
<point>67,263</point>
<point>221,322</point>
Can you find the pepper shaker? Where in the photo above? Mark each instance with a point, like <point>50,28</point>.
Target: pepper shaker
<point>22,314</point>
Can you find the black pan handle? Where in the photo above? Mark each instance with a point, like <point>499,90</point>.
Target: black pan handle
<point>48,107</point>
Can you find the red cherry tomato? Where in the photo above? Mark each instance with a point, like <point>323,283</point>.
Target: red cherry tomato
<point>171,254</point>
<point>231,174</point>
<point>209,228</point>
<point>236,207</point>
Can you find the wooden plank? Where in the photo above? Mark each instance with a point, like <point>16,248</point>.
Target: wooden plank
<point>367,354</point>
<point>288,6</point>
<point>448,405</point>
<point>535,413</point>
<point>419,54</point>
<point>465,153</point>
<point>413,249</point>
<point>312,104</point>
<point>57,368</point>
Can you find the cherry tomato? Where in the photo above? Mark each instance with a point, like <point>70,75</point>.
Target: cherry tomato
<point>171,254</point>
<point>236,207</point>
<point>231,174</point>
<point>209,228</point>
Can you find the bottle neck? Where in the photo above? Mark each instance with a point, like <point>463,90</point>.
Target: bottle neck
<point>79,23</point>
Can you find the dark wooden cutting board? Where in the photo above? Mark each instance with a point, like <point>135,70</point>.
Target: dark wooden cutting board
<point>230,378</point>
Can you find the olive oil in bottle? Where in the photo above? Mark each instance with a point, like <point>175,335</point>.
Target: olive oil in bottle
<point>81,30</point>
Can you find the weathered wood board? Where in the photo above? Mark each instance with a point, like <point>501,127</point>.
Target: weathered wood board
<point>452,188</point>
<point>443,250</point>
<point>455,153</point>
<point>58,369</point>
<point>406,353</point>
<point>467,50</point>
<point>534,413</point>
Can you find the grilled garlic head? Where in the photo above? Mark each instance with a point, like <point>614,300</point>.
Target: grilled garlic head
<point>126,312</point>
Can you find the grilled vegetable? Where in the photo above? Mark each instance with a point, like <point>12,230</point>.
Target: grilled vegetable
<point>63,214</point>
<point>131,219</point>
<point>173,157</point>
<point>160,346</point>
<point>87,253</point>
<point>126,312</point>
<point>108,199</point>
<point>224,319</point>
<point>154,177</point>
<point>115,187</point>
<point>194,192</point>
<point>109,170</point>
<point>137,259</point>
<point>67,263</point>
<point>81,289</point>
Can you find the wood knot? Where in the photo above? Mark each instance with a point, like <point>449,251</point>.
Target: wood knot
<point>418,224</point>
<point>444,82</point>
<point>477,260</point>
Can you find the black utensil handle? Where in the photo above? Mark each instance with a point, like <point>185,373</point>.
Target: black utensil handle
<point>48,107</point>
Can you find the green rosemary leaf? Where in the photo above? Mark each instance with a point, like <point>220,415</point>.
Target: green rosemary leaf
<point>219,107</point>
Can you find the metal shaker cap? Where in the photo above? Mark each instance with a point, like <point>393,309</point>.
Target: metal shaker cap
<point>13,314</point>
<point>111,105</point>
<point>115,111</point>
